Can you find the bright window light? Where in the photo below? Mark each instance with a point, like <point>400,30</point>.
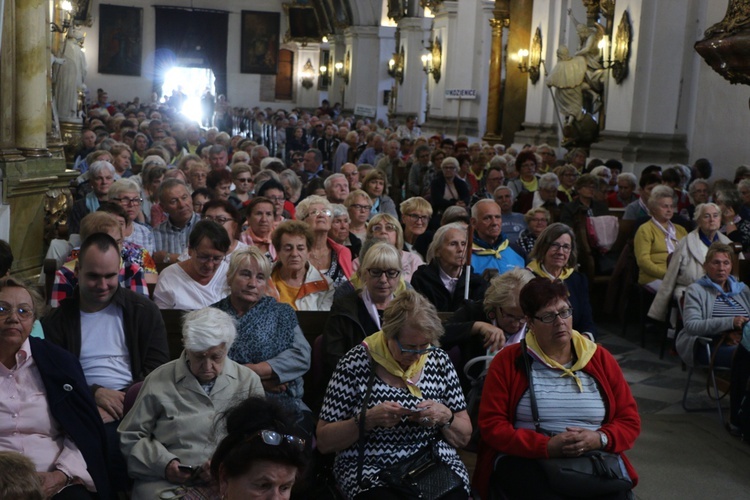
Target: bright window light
<point>193,82</point>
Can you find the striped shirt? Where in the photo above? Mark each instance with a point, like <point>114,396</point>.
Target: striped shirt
<point>726,307</point>
<point>559,402</point>
<point>142,236</point>
<point>173,239</point>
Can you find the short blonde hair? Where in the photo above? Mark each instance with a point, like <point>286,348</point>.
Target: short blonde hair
<point>388,219</point>
<point>538,210</point>
<point>98,222</point>
<point>415,204</point>
<point>381,255</point>
<point>412,308</point>
<point>354,196</point>
<point>240,168</point>
<point>244,256</point>
<point>303,209</point>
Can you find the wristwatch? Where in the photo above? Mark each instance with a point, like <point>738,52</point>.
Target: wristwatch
<point>449,422</point>
<point>603,439</point>
<point>167,259</point>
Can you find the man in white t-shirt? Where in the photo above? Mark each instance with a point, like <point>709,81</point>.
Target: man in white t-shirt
<point>118,336</point>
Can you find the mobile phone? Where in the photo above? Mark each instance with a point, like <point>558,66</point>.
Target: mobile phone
<point>417,410</point>
<point>187,468</point>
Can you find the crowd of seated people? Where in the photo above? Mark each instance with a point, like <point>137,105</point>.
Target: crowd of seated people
<point>375,229</point>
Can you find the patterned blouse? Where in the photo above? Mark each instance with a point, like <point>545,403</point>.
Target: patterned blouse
<point>385,447</point>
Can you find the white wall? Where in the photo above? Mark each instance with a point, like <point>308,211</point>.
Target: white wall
<point>242,89</point>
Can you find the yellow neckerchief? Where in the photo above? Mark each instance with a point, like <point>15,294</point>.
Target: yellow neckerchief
<point>540,270</point>
<point>489,251</point>
<point>531,185</point>
<point>582,346</point>
<point>566,192</point>
<point>377,345</point>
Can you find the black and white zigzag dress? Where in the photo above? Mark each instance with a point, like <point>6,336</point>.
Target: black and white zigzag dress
<point>385,447</point>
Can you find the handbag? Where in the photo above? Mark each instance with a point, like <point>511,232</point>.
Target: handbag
<point>593,474</point>
<point>422,475</point>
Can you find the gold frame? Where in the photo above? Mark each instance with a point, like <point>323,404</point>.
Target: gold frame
<point>535,56</point>
<point>436,50</point>
<point>301,39</point>
<point>621,51</point>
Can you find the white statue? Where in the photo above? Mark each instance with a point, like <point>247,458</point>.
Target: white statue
<point>70,77</point>
<point>568,78</point>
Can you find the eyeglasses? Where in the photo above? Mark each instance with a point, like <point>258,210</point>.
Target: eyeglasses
<point>129,201</point>
<point>390,273</point>
<point>356,206</point>
<point>298,160</point>
<point>220,220</point>
<point>23,313</point>
<point>418,218</point>
<point>243,180</point>
<point>539,221</point>
<point>513,317</point>
<point>557,246</point>
<point>317,212</point>
<point>551,317</point>
<point>273,438</point>
<point>204,259</point>
<point>414,351</point>
<point>388,228</point>
<point>275,199</point>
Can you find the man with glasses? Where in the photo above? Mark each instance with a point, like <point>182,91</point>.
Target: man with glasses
<point>118,336</point>
<point>171,236</point>
<point>297,164</point>
<point>494,178</point>
<point>549,159</point>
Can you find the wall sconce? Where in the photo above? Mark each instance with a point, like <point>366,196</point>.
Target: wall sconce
<point>67,12</point>
<point>530,61</point>
<point>396,66</point>
<point>307,76</point>
<point>620,51</point>
<point>342,68</point>
<point>432,61</point>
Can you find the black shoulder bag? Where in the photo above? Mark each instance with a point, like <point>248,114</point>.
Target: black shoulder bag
<point>422,475</point>
<point>593,474</point>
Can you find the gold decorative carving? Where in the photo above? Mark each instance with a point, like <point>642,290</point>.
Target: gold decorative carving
<point>535,56</point>
<point>621,51</point>
<point>735,20</point>
<point>70,134</point>
<point>57,202</point>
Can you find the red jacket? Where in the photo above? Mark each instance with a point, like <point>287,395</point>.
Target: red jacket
<point>505,384</point>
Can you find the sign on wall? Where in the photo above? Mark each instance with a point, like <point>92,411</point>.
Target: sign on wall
<point>120,40</point>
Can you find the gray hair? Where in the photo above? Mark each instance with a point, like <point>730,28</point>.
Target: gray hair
<point>206,328</point>
<point>242,256</point>
<point>340,210</point>
<point>497,161</point>
<point>439,238</point>
<point>475,207</point>
<point>629,177</point>
<point>694,184</point>
<point>329,180</point>
<point>702,208</point>
<point>549,181</point>
<point>602,169</point>
<point>169,184</point>
<point>123,186</point>
<point>100,165</point>
<point>450,161</point>
<point>504,289</point>
<point>659,192</point>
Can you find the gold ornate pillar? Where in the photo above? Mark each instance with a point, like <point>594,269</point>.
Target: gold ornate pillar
<point>494,104</point>
<point>32,61</point>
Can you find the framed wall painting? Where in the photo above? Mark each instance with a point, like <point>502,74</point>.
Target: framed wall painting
<point>259,52</point>
<point>120,40</point>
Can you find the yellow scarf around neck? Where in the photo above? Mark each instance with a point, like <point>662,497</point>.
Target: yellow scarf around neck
<point>489,251</point>
<point>539,270</point>
<point>377,345</point>
<point>583,347</point>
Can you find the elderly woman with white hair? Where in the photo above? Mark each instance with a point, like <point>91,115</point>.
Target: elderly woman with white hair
<point>332,259</point>
<point>657,239</point>
<point>101,176</point>
<point>168,436</point>
<point>340,230</point>
<point>625,194</point>
<point>686,265</point>
<point>443,280</point>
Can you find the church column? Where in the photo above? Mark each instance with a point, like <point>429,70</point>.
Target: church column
<point>32,60</point>
<point>500,20</point>
<point>365,70</point>
<point>415,33</point>
<point>8,152</point>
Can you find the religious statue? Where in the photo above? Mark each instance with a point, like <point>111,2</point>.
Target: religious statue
<point>568,78</point>
<point>590,36</point>
<point>70,77</point>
